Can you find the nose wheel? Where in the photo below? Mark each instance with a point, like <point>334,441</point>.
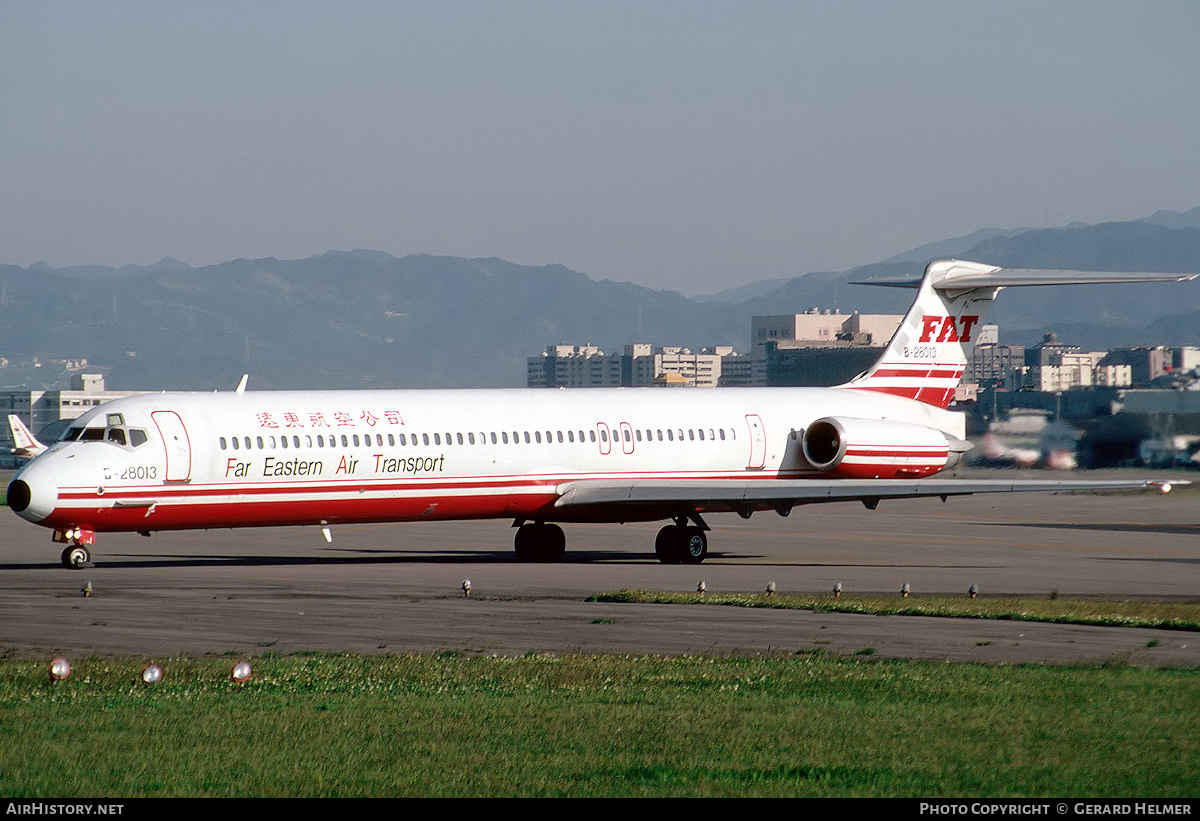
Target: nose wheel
<point>76,557</point>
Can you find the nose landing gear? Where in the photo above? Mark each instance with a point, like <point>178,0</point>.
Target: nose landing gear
<point>77,555</point>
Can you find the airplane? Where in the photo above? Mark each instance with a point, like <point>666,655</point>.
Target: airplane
<point>542,458</point>
<point>25,444</point>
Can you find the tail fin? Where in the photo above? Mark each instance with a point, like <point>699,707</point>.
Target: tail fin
<point>927,356</point>
<point>25,444</point>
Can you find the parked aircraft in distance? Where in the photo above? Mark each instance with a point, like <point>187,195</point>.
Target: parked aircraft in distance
<point>174,461</point>
<point>25,444</point>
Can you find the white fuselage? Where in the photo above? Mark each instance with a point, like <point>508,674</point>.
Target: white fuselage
<point>326,457</point>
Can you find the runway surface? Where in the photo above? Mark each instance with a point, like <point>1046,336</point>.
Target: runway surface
<point>397,588</point>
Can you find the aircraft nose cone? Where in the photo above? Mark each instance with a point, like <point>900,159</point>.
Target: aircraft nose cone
<point>33,493</point>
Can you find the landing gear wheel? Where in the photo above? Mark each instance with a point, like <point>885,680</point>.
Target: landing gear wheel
<point>76,557</point>
<point>694,545</point>
<point>681,544</point>
<point>540,542</point>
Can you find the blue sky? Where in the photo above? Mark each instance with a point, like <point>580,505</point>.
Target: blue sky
<point>684,145</point>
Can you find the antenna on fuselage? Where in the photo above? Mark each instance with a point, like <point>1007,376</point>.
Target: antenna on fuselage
<point>241,388</point>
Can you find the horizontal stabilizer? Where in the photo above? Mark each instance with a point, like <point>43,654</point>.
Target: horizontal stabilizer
<point>957,275</point>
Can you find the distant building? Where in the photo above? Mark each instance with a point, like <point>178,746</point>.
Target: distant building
<point>1145,363</point>
<point>1053,367</point>
<point>810,364</point>
<point>829,328</point>
<point>640,365</point>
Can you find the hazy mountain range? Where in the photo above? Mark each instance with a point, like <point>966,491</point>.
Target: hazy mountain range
<point>366,318</point>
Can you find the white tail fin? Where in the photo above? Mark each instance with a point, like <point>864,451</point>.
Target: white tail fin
<point>25,444</point>
<point>927,356</point>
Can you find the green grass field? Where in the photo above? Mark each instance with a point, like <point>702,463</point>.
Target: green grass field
<point>805,725</point>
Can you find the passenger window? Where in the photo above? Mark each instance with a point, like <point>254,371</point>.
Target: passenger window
<point>283,442</point>
<point>223,443</point>
<point>247,441</point>
<point>260,443</point>
<point>235,443</point>
<point>504,436</point>
<point>296,441</point>
<point>537,434</point>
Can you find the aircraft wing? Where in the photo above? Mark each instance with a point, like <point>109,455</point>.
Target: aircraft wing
<point>782,494</point>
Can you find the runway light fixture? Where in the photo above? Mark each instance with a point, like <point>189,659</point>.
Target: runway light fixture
<point>151,674</point>
<point>904,590</point>
<point>240,672</point>
<point>770,588</point>
<point>837,589</point>
<point>466,587</point>
<point>701,588</point>
<point>86,590</point>
<point>973,591</point>
<point>60,668</point>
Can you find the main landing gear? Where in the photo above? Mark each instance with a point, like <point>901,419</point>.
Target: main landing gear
<point>684,542</point>
<point>681,543</point>
<point>540,542</point>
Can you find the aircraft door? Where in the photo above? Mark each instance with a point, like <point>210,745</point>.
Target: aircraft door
<point>176,443</point>
<point>626,438</point>
<point>602,438</point>
<point>758,442</point>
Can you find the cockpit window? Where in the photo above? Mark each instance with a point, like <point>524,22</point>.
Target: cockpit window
<point>120,436</point>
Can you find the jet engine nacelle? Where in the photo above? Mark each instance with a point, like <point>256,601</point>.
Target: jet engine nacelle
<point>878,448</point>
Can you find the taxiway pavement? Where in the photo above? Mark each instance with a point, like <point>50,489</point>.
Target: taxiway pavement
<point>398,588</point>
